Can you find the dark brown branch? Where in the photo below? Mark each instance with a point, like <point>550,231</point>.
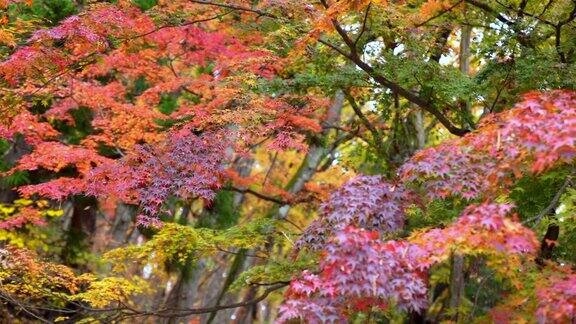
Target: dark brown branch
<point>339,141</point>
<point>546,7</point>
<point>23,307</point>
<point>265,284</point>
<point>410,96</point>
<point>293,224</point>
<point>270,168</point>
<point>236,7</point>
<point>187,23</point>
<point>375,134</point>
<point>553,203</point>
<point>558,44</point>
<point>260,195</point>
<point>501,89</point>
<point>558,33</point>
<point>490,10</point>
<point>521,8</point>
<point>238,253</point>
<point>350,134</point>
<point>548,244</point>
<point>206,310</point>
<point>396,88</point>
<point>334,47</point>
<point>363,24</point>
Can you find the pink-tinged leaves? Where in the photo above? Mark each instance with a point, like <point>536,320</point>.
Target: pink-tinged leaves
<point>357,268</point>
<point>79,37</point>
<point>557,299</point>
<point>25,215</point>
<point>483,228</point>
<point>357,271</point>
<point>56,189</point>
<point>28,125</point>
<point>535,135</point>
<point>55,156</point>
<point>367,202</point>
<point>186,166</point>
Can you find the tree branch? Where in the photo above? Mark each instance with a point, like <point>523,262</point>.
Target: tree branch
<point>553,204</point>
<point>410,96</point>
<point>187,23</point>
<point>260,195</point>
<point>364,24</point>
<point>235,7</point>
<point>375,134</point>
<point>206,310</point>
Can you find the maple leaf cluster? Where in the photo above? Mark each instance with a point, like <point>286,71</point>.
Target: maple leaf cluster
<point>118,64</point>
<point>557,299</point>
<point>185,165</point>
<point>367,202</point>
<point>358,272</point>
<point>18,266</point>
<point>74,40</point>
<point>483,228</point>
<point>30,127</point>
<point>24,211</point>
<point>57,189</point>
<point>502,147</point>
<point>352,254</point>
<point>55,157</point>
<point>535,135</point>
<point>116,123</point>
<point>95,61</point>
<point>24,215</point>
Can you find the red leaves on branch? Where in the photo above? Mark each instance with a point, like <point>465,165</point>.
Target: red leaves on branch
<point>25,215</point>
<point>28,125</point>
<point>358,272</point>
<point>367,202</point>
<point>57,189</point>
<point>483,228</point>
<point>55,156</point>
<point>186,166</point>
<point>359,269</point>
<point>557,299</point>
<point>535,135</point>
<point>78,37</point>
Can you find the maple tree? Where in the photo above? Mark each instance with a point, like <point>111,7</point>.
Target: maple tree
<point>313,161</point>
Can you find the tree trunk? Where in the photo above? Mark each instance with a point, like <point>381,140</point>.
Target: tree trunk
<point>456,285</point>
<point>420,129</point>
<point>464,62</point>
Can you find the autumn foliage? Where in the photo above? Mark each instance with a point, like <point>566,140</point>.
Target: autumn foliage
<point>331,161</point>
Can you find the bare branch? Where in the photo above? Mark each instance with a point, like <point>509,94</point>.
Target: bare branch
<point>260,195</point>
<point>364,24</point>
<point>206,310</point>
<point>236,7</point>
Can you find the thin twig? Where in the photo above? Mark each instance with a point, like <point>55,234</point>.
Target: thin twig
<point>553,204</point>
